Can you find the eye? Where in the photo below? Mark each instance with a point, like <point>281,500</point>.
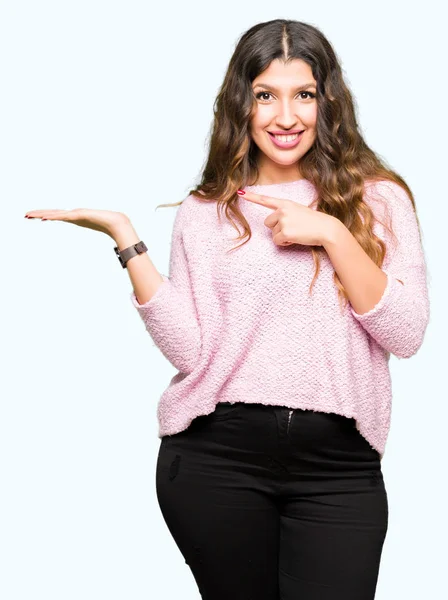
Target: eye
<point>258,96</point>
<point>261,94</point>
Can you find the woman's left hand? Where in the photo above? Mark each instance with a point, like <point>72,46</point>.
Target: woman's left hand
<point>293,223</point>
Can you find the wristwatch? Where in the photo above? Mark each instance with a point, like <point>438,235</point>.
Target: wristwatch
<point>127,253</point>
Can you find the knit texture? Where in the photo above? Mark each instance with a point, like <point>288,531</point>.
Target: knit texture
<point>242,326</point>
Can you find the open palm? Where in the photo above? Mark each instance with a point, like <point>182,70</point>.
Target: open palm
<point>105,221</point>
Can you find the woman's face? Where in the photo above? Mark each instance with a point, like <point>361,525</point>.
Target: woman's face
<point>284,103</point>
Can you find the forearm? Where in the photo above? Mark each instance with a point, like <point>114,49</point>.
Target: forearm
<point>144,276</point>
<point>165,304</point>
<point>362,279</point>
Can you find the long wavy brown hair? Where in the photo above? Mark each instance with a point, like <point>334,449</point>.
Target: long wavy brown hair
<point>339,161</point>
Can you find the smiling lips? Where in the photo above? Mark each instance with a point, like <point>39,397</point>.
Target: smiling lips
<point>289,140</point>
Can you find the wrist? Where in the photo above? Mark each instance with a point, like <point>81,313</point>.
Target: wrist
<point>332,231</point>
<point>124,235</point>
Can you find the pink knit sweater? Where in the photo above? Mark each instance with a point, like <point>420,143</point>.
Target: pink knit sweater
<point>242,327</point>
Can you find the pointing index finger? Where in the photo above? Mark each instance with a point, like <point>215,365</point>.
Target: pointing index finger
<point>261,199</point>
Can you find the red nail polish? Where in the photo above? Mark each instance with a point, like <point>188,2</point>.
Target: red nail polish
<point>240,192</point>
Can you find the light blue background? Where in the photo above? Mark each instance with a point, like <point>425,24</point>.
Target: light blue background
<point>109,105</point>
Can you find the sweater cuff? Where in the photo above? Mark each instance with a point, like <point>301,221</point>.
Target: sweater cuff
<point>154,297</point>
<point>382,303</point>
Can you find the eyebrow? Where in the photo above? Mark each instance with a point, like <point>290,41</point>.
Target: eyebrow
<point>305,86</point>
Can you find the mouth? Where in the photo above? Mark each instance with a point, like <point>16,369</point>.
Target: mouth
<point>289,140</point>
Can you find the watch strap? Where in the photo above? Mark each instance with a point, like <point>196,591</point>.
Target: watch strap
<point>127,253</point>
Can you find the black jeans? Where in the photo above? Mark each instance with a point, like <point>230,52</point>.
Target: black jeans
<point>265,503</point>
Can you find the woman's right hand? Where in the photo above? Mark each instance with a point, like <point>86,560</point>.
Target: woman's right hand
<point>105,221</point>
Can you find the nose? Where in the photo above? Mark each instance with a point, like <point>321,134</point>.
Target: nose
<point>287,117</point>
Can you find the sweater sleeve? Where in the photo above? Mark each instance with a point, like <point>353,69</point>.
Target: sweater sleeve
<point>170,315</point>
<point>399,320</point>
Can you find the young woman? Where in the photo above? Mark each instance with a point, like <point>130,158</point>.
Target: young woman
<point>273,430</point>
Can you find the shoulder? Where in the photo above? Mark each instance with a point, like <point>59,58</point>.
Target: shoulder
<point>192,212</point>
<point>389,200</point>
<point>388,191</point>
<point>195,202</point>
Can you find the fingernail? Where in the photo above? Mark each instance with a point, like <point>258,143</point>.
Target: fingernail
<point>240,192</point>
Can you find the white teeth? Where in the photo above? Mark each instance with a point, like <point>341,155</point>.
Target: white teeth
<point>286,138</point>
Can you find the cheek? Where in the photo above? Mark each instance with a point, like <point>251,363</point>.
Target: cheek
<point>262,117</point>
<point>311,115</point>
<point>256,131</point>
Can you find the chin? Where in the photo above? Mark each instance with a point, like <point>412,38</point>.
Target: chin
<point>286,161</point>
